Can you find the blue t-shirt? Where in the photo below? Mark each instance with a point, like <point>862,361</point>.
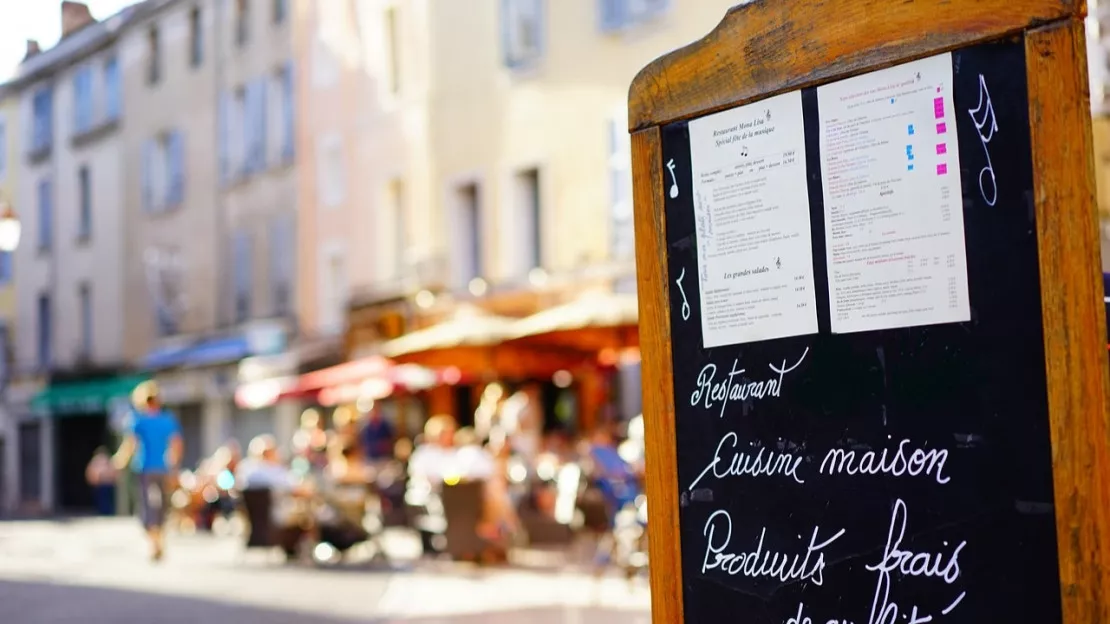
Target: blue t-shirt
<point>153,433</point>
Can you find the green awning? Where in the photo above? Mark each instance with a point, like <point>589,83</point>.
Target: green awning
<point>85,397</point>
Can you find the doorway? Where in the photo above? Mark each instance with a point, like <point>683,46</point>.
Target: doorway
<point>76,439</point>
<point>30,466</point>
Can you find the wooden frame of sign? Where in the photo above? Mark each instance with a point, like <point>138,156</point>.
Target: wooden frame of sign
<point>766,48</point>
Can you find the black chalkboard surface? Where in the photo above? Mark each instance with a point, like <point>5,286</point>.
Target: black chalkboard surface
<point>966,532</point>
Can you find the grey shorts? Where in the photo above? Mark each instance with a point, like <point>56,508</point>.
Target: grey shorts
<point>152,499</point>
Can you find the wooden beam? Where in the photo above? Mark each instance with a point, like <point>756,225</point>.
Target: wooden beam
<point>766,47</point>
<point>661,470</point>
<point>1074,326</point>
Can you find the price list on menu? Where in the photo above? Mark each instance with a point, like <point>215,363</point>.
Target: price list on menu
<point>859,378</point>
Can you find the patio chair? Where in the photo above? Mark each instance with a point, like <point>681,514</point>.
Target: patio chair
<point>262,532</point>
<point>462,511</point>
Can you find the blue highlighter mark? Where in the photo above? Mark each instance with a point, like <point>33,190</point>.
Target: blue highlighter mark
<point>909,167</point>
<point>910,130</point>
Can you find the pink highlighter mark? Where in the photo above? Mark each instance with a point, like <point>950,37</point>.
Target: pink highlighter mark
<point>942,148</point>
<point>938,107</point>
<point>942,169</point>
<point>942,128</point>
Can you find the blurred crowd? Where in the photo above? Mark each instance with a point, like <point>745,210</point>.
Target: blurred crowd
<point>472,492</point>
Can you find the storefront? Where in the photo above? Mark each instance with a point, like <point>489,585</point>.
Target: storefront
<point>75,417</point>
<point>198,380</point>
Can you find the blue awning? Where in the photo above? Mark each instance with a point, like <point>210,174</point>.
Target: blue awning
<point>202,353</point>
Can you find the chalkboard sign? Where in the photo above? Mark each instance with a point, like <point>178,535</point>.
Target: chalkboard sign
<point>870,476</point>
<point>875,386</point>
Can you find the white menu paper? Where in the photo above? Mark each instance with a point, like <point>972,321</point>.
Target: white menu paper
<point>755,258</point>
<point>890,172</point>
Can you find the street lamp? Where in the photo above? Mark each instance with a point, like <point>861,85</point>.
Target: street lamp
<point>10,228</point>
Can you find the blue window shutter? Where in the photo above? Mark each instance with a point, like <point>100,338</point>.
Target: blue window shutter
<point>287,110</point>
<point>247,128</point>
<point>50,116</point>
<point>222,122</point>
<point>79,101</point>
<point>176,187</point>
<point>506,34</point>
<point>242,274</point>
<point>148,189</point>
<point>263,104</point>
<point>111,89</point>
<point>256,137</point>
<point>5,267</point>
<point>46,216</point>
<point>612,14</point>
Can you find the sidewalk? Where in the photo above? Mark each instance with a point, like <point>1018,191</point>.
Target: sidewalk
<point>96,571</point>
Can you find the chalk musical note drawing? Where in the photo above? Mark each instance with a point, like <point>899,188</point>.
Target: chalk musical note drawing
<point>744,151</point>
<point>674,180</point>
<point>987,124</point>
<point>682,291</point>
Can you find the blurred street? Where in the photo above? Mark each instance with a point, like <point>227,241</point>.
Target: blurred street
<point>94,570</point>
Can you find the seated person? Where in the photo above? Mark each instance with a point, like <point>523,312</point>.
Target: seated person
<point>262,469</point>
<point>614,477</point>
<point>377,437</point>
<point>472,460</point>
<point>345,492</point>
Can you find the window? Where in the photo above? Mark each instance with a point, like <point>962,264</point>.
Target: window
<point>522,32</point>
<point>468,252</point>
<point>84,217</point>
<point>241,256</point>
<point>333,295</point>
<point>46,214</point>
<point>330,20</point>
<point>331,171</point>
<point>283,246</point>
<point>84,296</point>
<point>242,22</point>
<point>616,15</point>
<point>111,89</point>
<point>42,122</point>
<point>620,190</point>
<point>164,172</point>
<point>530,219</point>
<point>154,56</point>
<point>281,8</point>
<point>196,38</point>
<point>396,205</point>
<point>83,99</point>
<point>393,50</point>
<point>45,331</point>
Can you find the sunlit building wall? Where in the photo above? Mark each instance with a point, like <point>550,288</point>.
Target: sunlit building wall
<point>471,149</point>
<point>211,201</point>
<point>9,150</point>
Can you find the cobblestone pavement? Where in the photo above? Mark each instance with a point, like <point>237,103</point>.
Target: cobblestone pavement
<point>96,570</point>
